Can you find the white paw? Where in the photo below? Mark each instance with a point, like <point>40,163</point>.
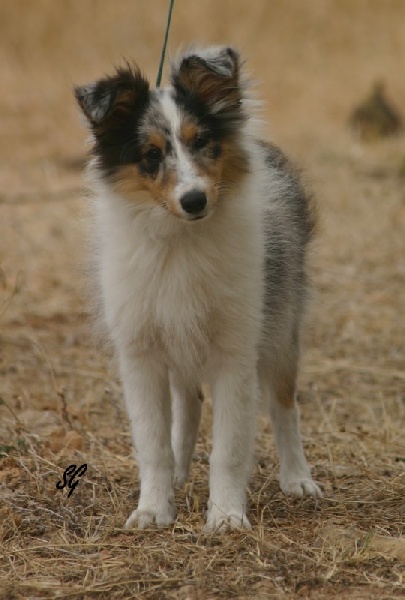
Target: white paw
<point>300,486</point>
<point>220,520</point>
<point>143,517</point>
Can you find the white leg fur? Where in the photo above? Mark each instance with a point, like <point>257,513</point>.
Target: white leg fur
<point>148,402</point>
<point>234,403</point>
<point>186,412</point>
<point>295,475</point>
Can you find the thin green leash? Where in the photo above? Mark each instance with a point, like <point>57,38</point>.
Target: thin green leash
<point>162,59</point>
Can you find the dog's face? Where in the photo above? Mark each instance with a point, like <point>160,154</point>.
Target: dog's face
<point>176,147</point>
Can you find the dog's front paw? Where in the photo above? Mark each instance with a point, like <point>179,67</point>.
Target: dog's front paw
<point>144,517</point>
<point>300,486</point>
<point>219,520</point>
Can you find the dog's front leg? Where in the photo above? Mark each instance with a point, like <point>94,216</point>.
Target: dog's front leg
<point>186,412</point>
<point>148,403</point>
<point>235,393</point>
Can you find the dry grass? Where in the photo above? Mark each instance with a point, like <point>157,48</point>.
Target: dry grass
<point>60,401</point>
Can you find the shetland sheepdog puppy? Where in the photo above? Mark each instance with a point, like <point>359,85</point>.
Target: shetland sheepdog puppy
<point>201,231</point>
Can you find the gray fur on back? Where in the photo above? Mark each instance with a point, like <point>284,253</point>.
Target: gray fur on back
<point>289,225</point>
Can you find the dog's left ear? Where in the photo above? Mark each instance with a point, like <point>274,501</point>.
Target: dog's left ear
<point>211,76</point>
<point>95,100</point>
<point>124,92</point>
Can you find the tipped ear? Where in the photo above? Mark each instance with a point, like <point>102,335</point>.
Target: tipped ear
<point>95,100</point>
<point>126,90</point>
<point>211,75</point>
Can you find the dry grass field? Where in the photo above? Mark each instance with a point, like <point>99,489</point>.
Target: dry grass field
<point>60,399</point>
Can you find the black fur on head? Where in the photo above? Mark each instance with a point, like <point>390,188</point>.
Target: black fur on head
<point>113,107</point>
<point>123,92</point>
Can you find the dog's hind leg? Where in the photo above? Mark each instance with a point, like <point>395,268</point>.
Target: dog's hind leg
<point>279,384</point>
<point>186,412</point>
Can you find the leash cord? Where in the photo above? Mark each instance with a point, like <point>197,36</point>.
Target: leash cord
<point>162,58</point>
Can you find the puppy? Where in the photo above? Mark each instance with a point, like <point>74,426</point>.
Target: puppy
<point>201,230</point>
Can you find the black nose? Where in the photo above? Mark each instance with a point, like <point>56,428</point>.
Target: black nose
<point>193,202</point>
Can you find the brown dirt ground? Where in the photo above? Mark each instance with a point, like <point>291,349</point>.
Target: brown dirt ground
<point>60,400</point>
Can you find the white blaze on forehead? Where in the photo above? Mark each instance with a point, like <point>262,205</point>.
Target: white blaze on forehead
<point>187,176</point>
<point>171,111</point>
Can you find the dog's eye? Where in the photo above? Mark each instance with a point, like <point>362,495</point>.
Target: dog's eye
<point>201,141</point>
<point>154,155</point>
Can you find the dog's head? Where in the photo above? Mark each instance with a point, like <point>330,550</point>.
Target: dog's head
<point>178,147</point>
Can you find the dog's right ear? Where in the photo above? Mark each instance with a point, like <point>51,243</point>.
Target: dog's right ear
<point>126,91</point>
<point>212,76</point>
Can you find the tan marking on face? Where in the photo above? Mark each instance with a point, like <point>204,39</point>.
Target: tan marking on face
<point>188,132</point>
<point>206,166</point>
<point>155,138</point>
<point>223,173</point>
<point>136,187</point>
